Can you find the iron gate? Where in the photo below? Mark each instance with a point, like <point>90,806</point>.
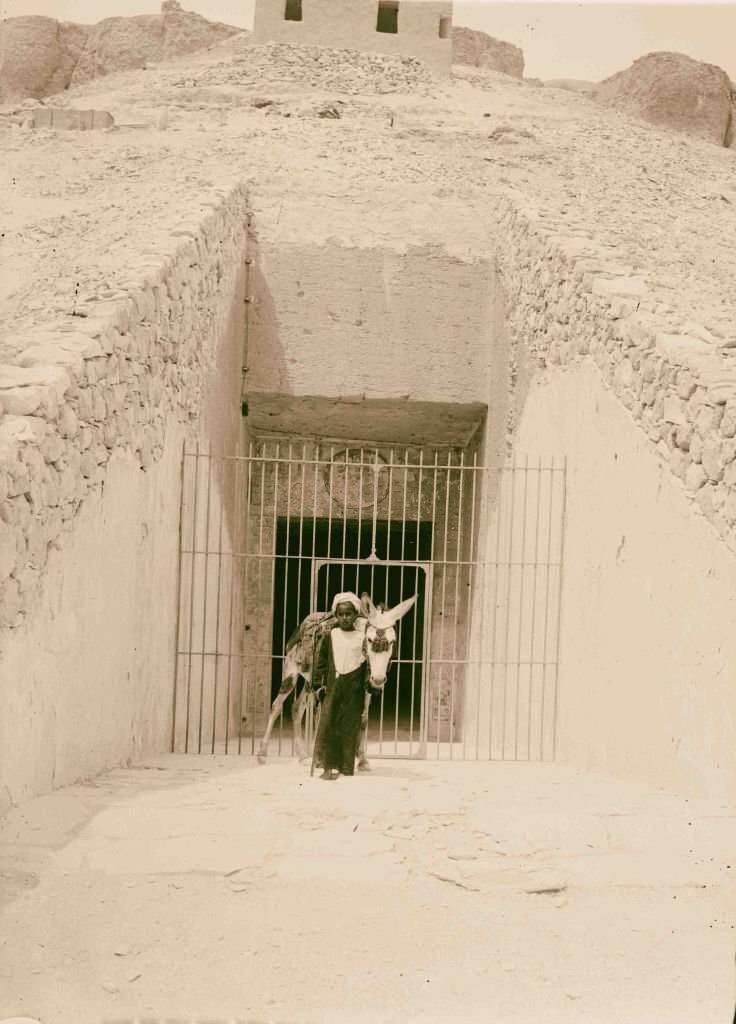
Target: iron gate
<point>270,535</point>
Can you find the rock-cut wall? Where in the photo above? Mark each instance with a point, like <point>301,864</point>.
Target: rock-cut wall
<point>94,413</point>
<point>40,56</point>
<point>647,419</point>
<point>479,50</point>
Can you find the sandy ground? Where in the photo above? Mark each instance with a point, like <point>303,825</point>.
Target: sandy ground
<point>193,888</point>
<point>408,159</point>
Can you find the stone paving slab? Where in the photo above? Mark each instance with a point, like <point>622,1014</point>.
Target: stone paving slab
<point>199,888</point>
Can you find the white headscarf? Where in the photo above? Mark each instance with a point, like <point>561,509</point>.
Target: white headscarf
<point>347,598</point>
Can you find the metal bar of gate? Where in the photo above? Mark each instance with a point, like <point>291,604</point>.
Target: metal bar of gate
<point>246,583</point>
<point>471,591</point>
<point>494,608</point>
<point>546,618</point>
<point>558,630</point>
<point>182,474</point>
<point>191,599</point>
<point>217,607</point>
<point>205,592</point>
<point>235,570</point>
<point>534,606</point>
<point>287,560</point>
<point>261,525</point>
<point>456,597</point>
<point>511,658</point>
<point>426,697</point>
<point>519,624</point>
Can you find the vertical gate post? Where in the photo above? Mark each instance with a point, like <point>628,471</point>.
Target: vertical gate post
<point>477,677</point>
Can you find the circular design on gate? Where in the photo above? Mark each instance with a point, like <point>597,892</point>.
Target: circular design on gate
<point>356,478</point>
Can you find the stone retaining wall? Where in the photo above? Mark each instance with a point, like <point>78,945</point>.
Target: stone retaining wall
<point>95,410</point>
<point>96,384</point>
<point>569,298</point>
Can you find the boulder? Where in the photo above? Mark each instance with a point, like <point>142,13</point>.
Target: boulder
<point>480,50</point>
<point>674,91</point>
<point>37,56</point>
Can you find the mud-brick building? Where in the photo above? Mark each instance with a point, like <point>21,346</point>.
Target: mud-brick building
<point>407,28</point>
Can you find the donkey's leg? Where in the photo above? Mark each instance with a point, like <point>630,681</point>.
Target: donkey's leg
<point>287,686</point>
<point>297,717</point>
<point>363,764</point>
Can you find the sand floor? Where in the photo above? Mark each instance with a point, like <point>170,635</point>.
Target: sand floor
<point>198,888</point>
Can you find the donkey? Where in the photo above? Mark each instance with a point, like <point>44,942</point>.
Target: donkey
<point>379,645</point>
<point>298,661</point>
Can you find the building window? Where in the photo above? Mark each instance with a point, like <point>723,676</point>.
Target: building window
<point>293,10</point>
<point>445,27</point>
<point>388,16</point>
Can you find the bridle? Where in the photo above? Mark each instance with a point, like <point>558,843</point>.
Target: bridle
<point>379,644</point>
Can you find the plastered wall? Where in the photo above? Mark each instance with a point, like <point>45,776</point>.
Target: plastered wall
<point>351,24</point>
<point>649,597</point>
<point>94,415</point>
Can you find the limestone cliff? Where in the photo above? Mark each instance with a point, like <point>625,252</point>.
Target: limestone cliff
<point>41,56</point>
<point>122,44</point>
<point>480,50</point>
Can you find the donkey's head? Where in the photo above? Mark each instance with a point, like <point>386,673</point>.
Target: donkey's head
<point>380,636</point>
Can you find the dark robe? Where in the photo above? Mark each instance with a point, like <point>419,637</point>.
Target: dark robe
<point>338,734</point>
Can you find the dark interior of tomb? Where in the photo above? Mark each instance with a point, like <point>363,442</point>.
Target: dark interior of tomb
<point>317,558</point>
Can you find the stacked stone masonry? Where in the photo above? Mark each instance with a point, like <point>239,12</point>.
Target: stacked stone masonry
<point>92,384</point>
<point>568,299</point>
<point>110,380</point>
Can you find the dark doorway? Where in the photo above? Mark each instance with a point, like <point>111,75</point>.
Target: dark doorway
<point>329,546</point>
<point>387,19</point>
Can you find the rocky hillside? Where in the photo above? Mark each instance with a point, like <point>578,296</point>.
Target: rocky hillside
<point>41,56</point>
<point>674,91</point>
<point>480,50</point>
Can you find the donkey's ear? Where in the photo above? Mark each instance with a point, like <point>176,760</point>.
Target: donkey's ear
<point>367,607</point>
<point>401,609</point>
